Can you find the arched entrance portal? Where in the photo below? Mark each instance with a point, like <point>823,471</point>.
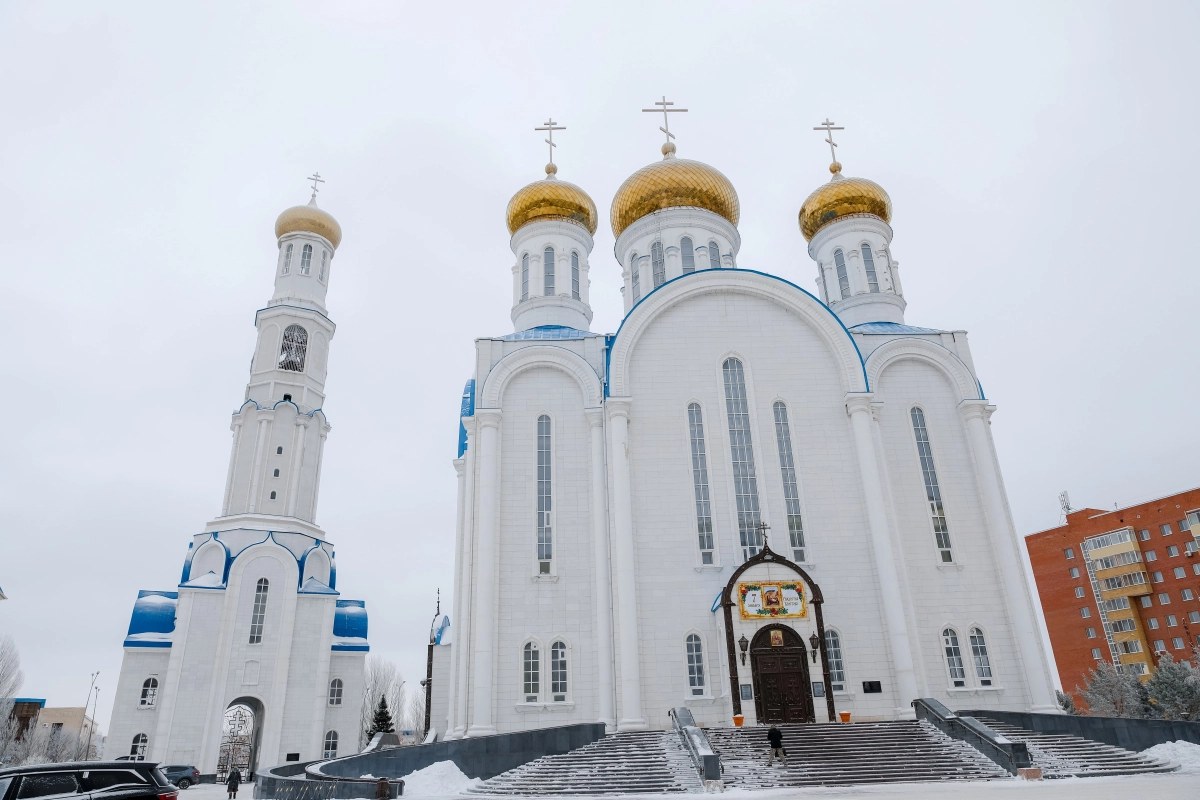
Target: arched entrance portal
<point>779,670</point>
<point>241,734</point>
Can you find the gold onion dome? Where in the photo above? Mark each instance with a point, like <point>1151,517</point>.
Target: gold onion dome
<point>551,199</point>
<point>309,219</point>
<point>671,183</point>
<point>843,197</point>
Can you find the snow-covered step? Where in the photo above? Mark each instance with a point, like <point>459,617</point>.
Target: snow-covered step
<point>1063,755</point>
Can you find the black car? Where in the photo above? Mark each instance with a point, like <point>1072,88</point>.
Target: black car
<point>77,780</point>
<point>181,775</point>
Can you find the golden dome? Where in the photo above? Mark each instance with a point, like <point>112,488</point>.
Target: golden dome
<point>671,183</point>
<point>843,197</point>
<point>551,199</point>
<point>309,219</point>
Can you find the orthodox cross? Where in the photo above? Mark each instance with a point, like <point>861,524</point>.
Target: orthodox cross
<point>829,128</point>
<point>763,527</point>
<point>666,126</point>
<point>315,178</point>
<point>550,128</point>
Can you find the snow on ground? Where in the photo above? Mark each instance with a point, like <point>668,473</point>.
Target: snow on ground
<point>1185,754</point>
<point>440,779</point>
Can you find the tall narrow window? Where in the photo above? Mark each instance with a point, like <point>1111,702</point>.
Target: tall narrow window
<point>791,492</point>
<point>295,346</point>
<point>636,277</point>
<point>306,260</point>
<point>149,692</point>
<point>525,277</point>
<point>548,272</point>
<point>532,681</point>
<point>687,254</point>
<point>331,741</point>
<point>745,484</point>
<point>287,259</point>
<point>714,255</point>
<point>260,611</point>
<point>575,276</point>
<point>700,483</point>
<point>138,751</point>
<point>839,261</point>
<point>837,668</point>
<point>544,496</point>
<point>869,266</point>
<point>324,264</point>
<point>695,661</point>
<point>932,492</point>
<point>335,692</point>
<point>558,672</point>
<point>659,265</point>
<point>954,662</point>
<point>983,667</point>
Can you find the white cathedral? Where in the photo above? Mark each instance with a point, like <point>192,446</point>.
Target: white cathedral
<point>751,499</point>
<point>256,623</point>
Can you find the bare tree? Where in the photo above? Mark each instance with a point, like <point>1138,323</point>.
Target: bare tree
<point>382,680</point>
<point>11,676</point>
<point>412,717</point>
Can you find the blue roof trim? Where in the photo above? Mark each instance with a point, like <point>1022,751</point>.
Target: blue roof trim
<point>978,383</point>
<point>467,409</point>
<point>548,332</point>
<point>861,361</point>
<point>40,700</point>
<point>890,327</point>
<point>609,338</point>
<point>351,648</point>
<point>145,644</point>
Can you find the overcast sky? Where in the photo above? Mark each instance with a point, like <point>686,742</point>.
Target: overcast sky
<point>1041,158</point>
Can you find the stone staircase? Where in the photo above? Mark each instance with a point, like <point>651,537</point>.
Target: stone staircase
<point>645,762</point>
<point>1065,756</point>
<point>832,754</point>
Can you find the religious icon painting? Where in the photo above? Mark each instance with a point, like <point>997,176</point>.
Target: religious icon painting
<point>774,599</point>
<point>776,638</point>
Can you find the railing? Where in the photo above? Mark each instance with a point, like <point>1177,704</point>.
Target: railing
<point>1008,754</point>
<point>708,763</point>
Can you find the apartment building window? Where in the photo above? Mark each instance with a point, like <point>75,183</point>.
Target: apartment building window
<point>1091,633</point>
<point>1177,643</point>
<point>1194,617</point>
<point>1079,591</point>
<point>1172,551</point>
<point>1074,572</point>
<point>1144,535</point>
<point>1172,622</point>
<point>1159,646</point>
<point>1152,623</point>
<point>1187,594</point>
<point>1164,598</point>
<point>1157,576</point>
<point>1146,601</point>
<point>1096,654</point>
<point>1165,529</point>
<point>1085,612</point>
<point>1151,555</point>
<point>1179,573</point>
<point>1069,553</point>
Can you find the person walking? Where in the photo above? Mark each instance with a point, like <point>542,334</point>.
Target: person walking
<point>775,738</point>
<point>235,780</point>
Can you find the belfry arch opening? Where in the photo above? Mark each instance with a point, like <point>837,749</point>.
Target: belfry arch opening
<point>241,735</point>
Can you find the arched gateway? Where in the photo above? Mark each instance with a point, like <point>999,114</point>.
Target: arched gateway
<point>771,603</point>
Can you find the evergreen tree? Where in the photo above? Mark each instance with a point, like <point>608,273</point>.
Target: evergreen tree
<point>1066,703</point>
<point>1174,690</point>
<point>1110,693</point>
<point>382,722</point>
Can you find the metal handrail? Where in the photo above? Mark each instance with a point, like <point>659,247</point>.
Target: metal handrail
<point>1005,752</point>
<point>706,761</point>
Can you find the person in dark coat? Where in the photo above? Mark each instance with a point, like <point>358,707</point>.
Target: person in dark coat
<point>775,738</point>
<point>234,781</point>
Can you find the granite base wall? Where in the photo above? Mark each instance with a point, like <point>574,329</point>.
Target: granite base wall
<point>1131,734</point>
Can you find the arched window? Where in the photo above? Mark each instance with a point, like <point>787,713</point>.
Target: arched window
<point>869,266</point>
<point>687,254</point>
<point>558,672</point>
<point>525,277</point>
<point>983,666</point>
<point>335,692</point>
<point>295,346</point>
<point>745,484</point>
<point>704,526</point>
<point>272,495</point>
<point>531,672</point>
<point>791,492</point>
<point>260,611</point>
<point>714,255</point>
<point>149,691</point>
<point>636,276</point>
<point>659,265</point>
<point>138,751</point>
<point>933,492</point>
<point>954,662</point>
<point>575,275</point>
<point>276,473</point>
<point>837,669</point>
<point>548,271</point>
<point>331,739</point>
<point>839,261</point>
<point>279,450</point>
<point>324,263</point>
<point>545,499</point>
<point>287,259</point>
<point>306,260</point>
<point>695,662</point>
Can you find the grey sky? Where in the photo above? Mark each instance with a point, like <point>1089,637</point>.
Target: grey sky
<point>1041,158</point>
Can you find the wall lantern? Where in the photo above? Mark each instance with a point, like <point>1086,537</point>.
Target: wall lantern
<point>815,641</point>
<point>744,643</point>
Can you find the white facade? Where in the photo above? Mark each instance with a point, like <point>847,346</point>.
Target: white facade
<point>628,578</point>
<point>256,618</point>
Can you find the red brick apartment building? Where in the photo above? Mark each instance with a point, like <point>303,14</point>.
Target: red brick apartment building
<point>1120,586</point>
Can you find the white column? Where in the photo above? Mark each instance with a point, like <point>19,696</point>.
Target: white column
<point>455,602</point>
<point>264,417</point>
<point>1006,546</point>
<point>833,289</point>
<point>233,454</point>
<point>604,650</point>
<point>466,579</point>
<point>312,515</point>
<point>488,421</point>
<point>298,437</point>
<point>627,625</point>
<point>858,406</point>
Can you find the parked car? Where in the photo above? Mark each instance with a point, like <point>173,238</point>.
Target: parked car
<point>181,775</point>
<point>87,780</point>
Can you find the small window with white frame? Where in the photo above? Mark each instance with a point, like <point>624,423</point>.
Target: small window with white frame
<point>531,669</point>
<point>979,653</point>
<point>837,667</point>
<point>700,489</point>
<point>335,692</point>
<point>574,275</point>
<point>658,264</point>
<point>635,277</point>
<point>695,665</point>
<point>933,491</point>
<point>149,693</point>
<point>306,260</point>
<point>954,661</point>
<point>524,277</point>
<point>714,254</point>
<point>558,672</point>
<point>548,272</point>
<point>869,267</point>
<point>287,259</point>
<point>687,255</point>
<point>545,496</point>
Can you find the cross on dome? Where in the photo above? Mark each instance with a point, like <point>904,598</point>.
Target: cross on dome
<point>550,127</point>
<point>669,147</point>
<point>829,128</point>
<point>315,178</point>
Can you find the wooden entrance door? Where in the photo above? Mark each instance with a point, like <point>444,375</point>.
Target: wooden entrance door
<point>778,664</point>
